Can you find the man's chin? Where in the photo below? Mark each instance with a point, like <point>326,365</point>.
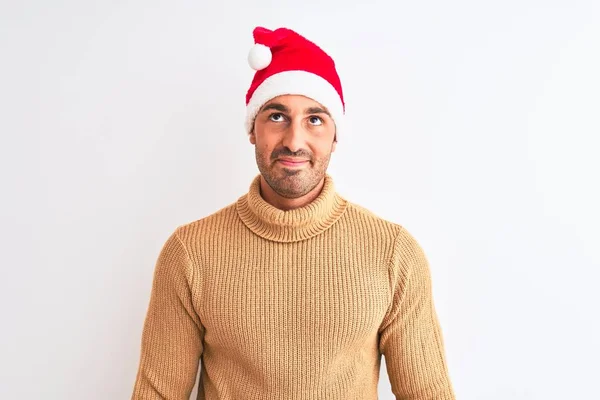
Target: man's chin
<point>291,185</point>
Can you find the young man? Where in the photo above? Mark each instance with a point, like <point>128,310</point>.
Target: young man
<point>292,292</point>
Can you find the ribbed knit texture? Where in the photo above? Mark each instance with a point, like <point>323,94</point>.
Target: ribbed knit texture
<point>297,304</point>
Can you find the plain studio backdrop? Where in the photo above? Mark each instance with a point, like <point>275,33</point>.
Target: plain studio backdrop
<point>474,124</point>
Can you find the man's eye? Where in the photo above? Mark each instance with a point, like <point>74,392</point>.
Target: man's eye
<point>276,117</point>
<point>316,120</point>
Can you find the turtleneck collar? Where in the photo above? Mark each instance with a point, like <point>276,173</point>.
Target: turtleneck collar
<point>292,225</point>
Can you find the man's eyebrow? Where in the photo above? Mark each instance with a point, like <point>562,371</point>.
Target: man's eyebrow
<point>282,108</point>
<point>316,110</point>
<point>275,106</point>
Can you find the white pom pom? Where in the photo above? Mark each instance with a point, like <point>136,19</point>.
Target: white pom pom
<point>259,57</point>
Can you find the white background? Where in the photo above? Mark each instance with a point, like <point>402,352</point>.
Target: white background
<point>474,124</point>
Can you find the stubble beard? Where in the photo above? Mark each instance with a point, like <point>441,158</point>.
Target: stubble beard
<point>291,183</point>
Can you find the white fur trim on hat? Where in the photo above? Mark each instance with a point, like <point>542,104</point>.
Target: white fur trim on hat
<point>296,82</point>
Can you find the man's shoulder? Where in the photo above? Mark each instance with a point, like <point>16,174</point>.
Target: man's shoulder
<point>392,233</point>
<point>217,220</point>
<point>357,210</point>
<point>370,219</point>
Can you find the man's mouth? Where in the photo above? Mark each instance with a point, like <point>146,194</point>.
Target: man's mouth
<point>292,162</point>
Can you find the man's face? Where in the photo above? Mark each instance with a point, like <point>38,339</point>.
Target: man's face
<point>299,129</point>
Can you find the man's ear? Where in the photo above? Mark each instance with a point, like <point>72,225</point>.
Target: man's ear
<point>252,137</point>
<point>334,142</point>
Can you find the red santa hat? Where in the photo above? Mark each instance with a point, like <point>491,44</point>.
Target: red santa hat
<point>287,63</point>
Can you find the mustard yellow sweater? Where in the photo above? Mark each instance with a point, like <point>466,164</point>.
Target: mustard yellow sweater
<point>297,304</point>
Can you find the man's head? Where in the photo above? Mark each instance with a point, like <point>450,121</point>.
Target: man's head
<point>293,128</point>
<point>294,110</point>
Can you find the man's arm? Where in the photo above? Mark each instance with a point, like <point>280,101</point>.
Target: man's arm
<point>410,334</point>
<point>172,336</point>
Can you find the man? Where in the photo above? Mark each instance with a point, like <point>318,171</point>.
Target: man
<point>292,291</point>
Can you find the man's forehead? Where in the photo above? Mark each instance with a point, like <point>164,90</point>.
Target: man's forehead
<point>287,102</point>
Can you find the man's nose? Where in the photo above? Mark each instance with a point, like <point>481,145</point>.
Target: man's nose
<point>295,135</point>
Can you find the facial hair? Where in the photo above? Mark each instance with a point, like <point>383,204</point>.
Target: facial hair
<point>291,183</point>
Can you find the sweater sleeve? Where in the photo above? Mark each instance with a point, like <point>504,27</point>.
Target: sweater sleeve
<point>171,343</point>
<point>410,334</point>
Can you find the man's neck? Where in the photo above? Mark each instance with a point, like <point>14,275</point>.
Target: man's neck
<point>284,203</point>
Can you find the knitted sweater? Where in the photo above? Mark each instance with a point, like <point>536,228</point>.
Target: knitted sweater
<point>296,304</point>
